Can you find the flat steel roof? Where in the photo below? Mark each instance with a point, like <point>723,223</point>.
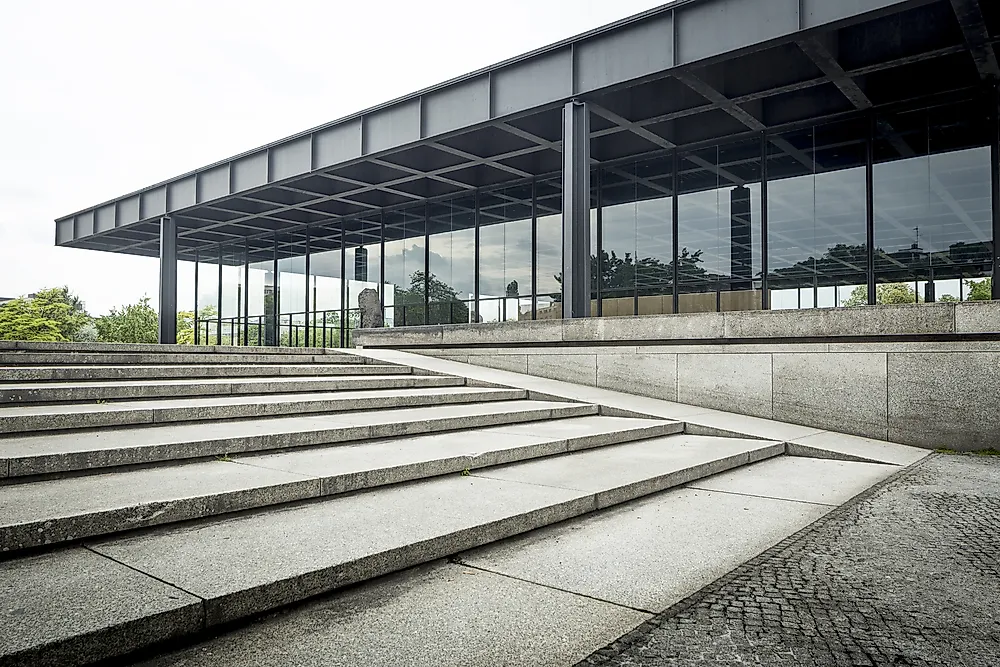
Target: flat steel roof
<point>679,75</point>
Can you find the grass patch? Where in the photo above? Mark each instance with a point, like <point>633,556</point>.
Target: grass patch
<point>991,451</point>
<point>225,458</point>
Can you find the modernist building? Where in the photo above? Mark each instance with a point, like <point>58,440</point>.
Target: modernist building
<point>707,155</point>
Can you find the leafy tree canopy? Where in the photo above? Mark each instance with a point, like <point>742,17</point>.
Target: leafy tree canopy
<point>134,323</point>
<point>885,293</point>
<point>980,290</point>
<point>51,315</point>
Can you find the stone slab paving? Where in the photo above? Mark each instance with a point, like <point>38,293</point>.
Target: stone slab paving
<point>908,574</point>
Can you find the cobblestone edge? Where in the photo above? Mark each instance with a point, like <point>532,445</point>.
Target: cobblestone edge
<point>638,634</point>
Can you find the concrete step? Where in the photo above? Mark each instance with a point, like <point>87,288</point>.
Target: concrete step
<point>33,346</point>
<point>49,453</point>
<point>28,358</point>
<point>33,418</point>
<point>52,511</point>
<point>88,373</point>
<point>66,392</point>
<point>130,592</point>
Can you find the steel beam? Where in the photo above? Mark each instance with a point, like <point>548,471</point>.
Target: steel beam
<point>576,210</point>
<point>168,281</point>
<point>977,37</point>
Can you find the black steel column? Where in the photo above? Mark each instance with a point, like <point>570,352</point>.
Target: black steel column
<point>675,224</point>
<point>246,291</point>
<point>600,250</point>
<point>197,333</point>
<point>308,319</point>
<point>870,207</point>
<point>995,177</point>
<point>534,250</point>
<point>765,296</point>
<point>345,312</point>
<point>218,303</point>
<point>427,263</point>
<point>168,281</point>
<point>475,278</point>
<point>381,267</point>
<point>740,239</point>
<point>576,211</point>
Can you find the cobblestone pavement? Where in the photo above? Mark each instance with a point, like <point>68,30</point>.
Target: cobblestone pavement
<point>907,574</point>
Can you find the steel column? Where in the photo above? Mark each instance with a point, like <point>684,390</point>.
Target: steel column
<point>218,302</point>
<point>534,249</point>
<point>475,279</point>
<point>168,281</point>
<point>576,210</point>
<point>765,296</point>
<point>308,342</point>
<point>197,332</point>
<point>995,177</point>
<point>246,291</point>
<point>599,252</point>
<point>675,227</point>
<point>870,207</point>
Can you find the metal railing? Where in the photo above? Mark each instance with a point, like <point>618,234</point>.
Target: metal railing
<point>334,328</point>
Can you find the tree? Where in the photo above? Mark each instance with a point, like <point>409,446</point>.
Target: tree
<point>980,290</point>
<point>445,306</point>
<point>948,298</point>
<point>134,323</point>
<point>885,293</point>
<point>21,319</point>
<point>53,314</point>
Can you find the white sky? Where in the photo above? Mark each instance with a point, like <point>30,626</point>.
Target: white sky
<point>100,98</point>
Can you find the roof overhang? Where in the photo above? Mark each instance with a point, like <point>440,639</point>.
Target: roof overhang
<point>684,74</point>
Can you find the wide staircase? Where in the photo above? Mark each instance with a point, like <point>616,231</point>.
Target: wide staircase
<point>153,494</point>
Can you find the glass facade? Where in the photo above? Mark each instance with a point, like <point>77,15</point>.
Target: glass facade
<point>880,207</point>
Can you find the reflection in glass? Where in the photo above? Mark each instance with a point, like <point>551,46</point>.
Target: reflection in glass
<point>548,248</point>
<point>450,282</point>
<point>719,229</point>
<point>404,267</point>
<point>505,254</point>
<point>326,284</point>
<point>932,202</point>
<point>817,240</point>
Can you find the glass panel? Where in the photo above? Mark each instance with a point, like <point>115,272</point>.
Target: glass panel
<point>232,294</point>
<point>548,250</point>
<point>262,324</point>
<point>363,265</point>
<point>505,254</point>
<point>326,284</point>
<point>817,238</point>
<point>933,216</point>
<point>451,283</point>
<point>636,257</point>
<point>208,296</point>
<point>719,228</point>
<point>404,267</point>
<point>292,289</point>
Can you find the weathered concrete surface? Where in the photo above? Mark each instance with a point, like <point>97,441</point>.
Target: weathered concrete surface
<point>826,482</point>
<point>316,356</point>
<point>895,391</point>
<point>698,419</point>
<point>650,553</point>
<point>61,452</point>
<point>903,319</point>
<point>838,391</point>
<point>286,555</point>
<point>17,394</point>
<point>74,607</point>
<point>104,372</point>
<point>51,511</point>
<point>439,615</point>
<point>907,575</point>
<point>27,419</point>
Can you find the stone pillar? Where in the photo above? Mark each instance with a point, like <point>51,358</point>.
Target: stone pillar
<point>168,281</point>
<point>576,210</point>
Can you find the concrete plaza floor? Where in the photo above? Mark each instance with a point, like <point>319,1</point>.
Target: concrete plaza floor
<point>907,574</point>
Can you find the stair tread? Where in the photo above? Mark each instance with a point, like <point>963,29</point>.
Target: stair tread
<point>165,434</point>
<point>133,498</point>
<point>246,564</point>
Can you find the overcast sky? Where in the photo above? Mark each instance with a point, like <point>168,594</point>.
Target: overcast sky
<point>101,98</point>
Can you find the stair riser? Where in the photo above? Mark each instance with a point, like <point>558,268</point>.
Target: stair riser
<point>154,348</point>
<point>49,532</point>
<point>106,359</point>
<point>85,373</point>
<point>97,392</point>
<point>78,461</point>
<point>239,605</point>
<point>138,416</point>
